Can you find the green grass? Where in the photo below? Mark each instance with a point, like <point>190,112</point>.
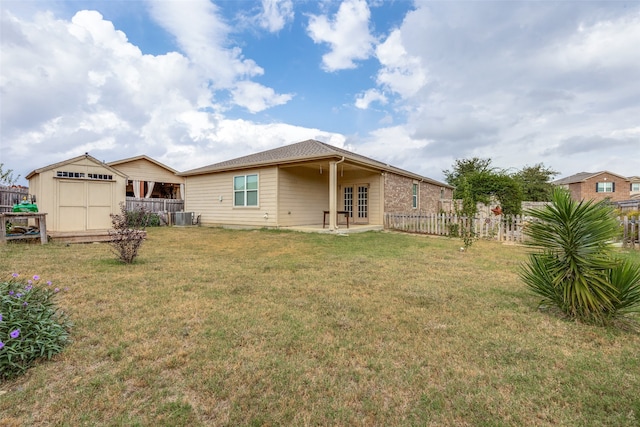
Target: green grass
<point>229,327</point>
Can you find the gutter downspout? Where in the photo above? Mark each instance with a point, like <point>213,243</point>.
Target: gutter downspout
<point>333,194</point>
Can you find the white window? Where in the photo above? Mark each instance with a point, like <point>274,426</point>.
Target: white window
<point>245,190</point>
<point>605,187</point>
<point>414,202</point>
<point>635,186</point>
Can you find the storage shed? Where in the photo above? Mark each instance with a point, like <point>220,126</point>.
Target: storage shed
<point>78,194</point>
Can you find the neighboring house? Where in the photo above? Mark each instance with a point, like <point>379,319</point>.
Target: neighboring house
<point>597,186</point>
<point>78,194</point>
<point>635,187</point>
<point>294,185</point>
<point>149,178</point>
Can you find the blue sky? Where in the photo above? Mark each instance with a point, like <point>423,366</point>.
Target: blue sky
<point>414,84</point>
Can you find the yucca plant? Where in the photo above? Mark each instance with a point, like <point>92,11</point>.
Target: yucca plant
<point>574,267</point>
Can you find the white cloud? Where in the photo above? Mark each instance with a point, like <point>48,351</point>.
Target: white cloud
<point>369,96</point>
<point>347,34</point>
<point>401,73</point>
<point>203,35</point>
<point>70,87</point>
<point>600,45</point>
<point>255,97</point>
<point>275,14</point>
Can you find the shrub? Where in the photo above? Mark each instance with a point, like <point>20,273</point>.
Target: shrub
<point>575,268</point>
<point>31,325</point>
<point>128,233</point>
<point>142,217</point>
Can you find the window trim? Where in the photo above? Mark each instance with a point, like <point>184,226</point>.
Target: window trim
<point>602,187</point>
<point>245,191</point>
<point>415,195</point>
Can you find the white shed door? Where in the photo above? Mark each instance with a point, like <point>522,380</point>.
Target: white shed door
<point>84,205</point>
<point>72,206</point>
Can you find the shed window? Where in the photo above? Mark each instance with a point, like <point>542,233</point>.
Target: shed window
<point>414,202</point>
<point>605,187</point>
<point>100,176</point>
<point>65,174</point>
<point>245,190</point>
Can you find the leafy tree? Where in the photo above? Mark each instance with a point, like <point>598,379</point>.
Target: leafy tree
<point>464,168</point>
<point>536,182</point>
<point>6,177</point>
<point>485,182</point>
<point>575,269</point>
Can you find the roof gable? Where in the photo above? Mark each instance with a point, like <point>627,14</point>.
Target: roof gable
<point>85,156</point>
<point>142,157</point>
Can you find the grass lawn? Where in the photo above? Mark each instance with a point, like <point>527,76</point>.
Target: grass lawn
<point>237,327</point>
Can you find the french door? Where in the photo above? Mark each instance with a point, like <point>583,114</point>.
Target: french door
<point>356,202</point>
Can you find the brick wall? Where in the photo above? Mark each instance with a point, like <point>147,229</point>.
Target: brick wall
<point>398,194</point>
<point>588,189</point>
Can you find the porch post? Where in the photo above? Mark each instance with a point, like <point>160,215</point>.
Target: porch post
<point>333,194</point>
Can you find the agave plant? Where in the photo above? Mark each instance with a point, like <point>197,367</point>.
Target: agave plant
<point>574,267</point>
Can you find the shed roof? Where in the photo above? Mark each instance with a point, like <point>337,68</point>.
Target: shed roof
<point>583,176</point>
<point>302,152</point>
<point>74,160</point>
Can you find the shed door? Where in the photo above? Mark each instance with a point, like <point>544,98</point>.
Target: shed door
<point>84,205</point>
<point>72,206</point>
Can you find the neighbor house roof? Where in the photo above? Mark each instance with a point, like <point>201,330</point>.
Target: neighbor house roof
<point>142,157</point>
<point>304,151</point>
<point>584,176</point>
<point>75,159</point>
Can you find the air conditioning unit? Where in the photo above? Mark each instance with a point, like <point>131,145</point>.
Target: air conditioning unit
<point>184,218</point>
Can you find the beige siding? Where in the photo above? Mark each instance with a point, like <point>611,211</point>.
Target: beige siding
<point>211,197</point>
<point>303,194</point>
<point>78,204</point>
<point>144,170</point>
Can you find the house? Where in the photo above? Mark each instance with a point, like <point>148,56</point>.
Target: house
<point>597,186</point>
<point>307,184</point>
<point>78,194</point>
<point>148,178</point>
<point>635,187</point>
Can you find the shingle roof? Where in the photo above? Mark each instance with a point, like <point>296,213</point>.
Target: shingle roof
<point>583,176</point>
<point>298,152</point>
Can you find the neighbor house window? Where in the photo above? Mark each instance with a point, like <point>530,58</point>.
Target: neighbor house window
<point>605,187</point>
<point>414,202</point>
<point>635,186</point>
<point>245,190</point>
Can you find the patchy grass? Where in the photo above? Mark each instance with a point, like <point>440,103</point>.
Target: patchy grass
<point>222,327</point>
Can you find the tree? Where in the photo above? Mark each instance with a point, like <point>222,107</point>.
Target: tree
<point>536,182</point>
<point>6,177</point>
<point>485,182</point>
<point>574,268</point>
<point>464,168</point>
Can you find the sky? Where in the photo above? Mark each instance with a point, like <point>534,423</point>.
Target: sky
<point>415,84</point>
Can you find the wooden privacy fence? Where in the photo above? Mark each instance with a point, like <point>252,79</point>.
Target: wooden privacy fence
<point>155,205</point>
<point>9,196</point>
<point>501,228</point>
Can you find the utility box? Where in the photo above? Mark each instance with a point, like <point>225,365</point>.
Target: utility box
<point>183,218</point>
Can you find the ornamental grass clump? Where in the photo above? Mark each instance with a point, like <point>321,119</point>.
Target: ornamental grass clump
<point>31,324</point>
<point>575,268</point>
